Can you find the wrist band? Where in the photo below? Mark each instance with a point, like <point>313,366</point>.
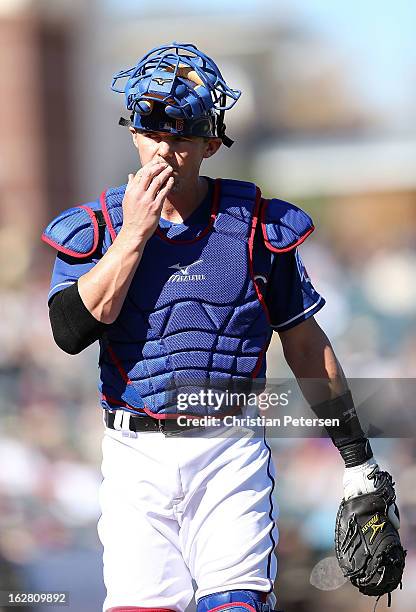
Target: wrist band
<point>356,453</point>
<point>348,436</point>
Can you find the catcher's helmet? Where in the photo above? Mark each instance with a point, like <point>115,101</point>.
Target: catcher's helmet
<point>177,89</point>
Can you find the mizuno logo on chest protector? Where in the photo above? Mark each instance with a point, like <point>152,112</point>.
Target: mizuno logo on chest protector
<point>184,269</point>
<point>182,275</point>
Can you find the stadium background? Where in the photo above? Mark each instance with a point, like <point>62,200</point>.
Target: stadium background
<point>327,121</point>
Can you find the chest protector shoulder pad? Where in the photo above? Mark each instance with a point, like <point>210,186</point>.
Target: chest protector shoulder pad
<point>76,231</point>
<point>284,225</point>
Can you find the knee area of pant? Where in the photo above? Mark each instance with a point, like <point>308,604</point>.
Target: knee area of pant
<point>234,601</point>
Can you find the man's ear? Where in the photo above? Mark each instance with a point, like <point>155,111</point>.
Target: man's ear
<point>212,146</point>
<point>133,133</point>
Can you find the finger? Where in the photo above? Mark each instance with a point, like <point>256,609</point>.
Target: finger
<point>147,167</point>
<point>163,193</point>
<point>130,178</point>
<point>158,182</point>
<point>148,172</point>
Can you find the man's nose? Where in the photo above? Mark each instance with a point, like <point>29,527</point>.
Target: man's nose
<point>165,148</point>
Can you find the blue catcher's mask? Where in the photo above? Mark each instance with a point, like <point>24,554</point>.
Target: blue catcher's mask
<point>177,89</point>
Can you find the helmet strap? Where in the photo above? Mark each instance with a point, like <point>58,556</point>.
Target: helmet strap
<point>125,122</point>
<point>221,125</point>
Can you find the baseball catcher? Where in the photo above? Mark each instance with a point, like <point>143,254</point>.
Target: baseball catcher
<point>182,280</point>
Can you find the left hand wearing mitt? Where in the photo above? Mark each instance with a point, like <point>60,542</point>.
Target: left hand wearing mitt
<point>367,542</point>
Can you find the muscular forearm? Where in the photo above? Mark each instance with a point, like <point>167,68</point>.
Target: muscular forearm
<point>104,288</point>
<point>313,362</point>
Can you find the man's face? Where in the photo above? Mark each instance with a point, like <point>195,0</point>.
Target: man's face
<point>184,154</point>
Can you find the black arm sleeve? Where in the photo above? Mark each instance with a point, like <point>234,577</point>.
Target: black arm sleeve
<point>73,326</point>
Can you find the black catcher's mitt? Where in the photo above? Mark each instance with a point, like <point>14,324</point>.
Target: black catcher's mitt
<point>367,545</point>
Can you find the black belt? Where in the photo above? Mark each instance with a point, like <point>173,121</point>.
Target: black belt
<point>148,423</point>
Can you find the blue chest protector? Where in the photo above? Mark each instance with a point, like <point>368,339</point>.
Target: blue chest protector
<point>194,316</point>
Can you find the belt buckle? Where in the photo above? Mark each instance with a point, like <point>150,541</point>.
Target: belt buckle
<point>185,429</point>
<point>175,431</point>
<point>178,431</point>
<point>163,428</point>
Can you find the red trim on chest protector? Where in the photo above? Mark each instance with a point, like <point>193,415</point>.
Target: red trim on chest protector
<point>260,296</point>
<point>213,216</point>
<point>266,240</point>
<point>234,604</point>
<point>169,415</point>
<point>103,202</point>
<point>112,400</point>
<point>254,222</point>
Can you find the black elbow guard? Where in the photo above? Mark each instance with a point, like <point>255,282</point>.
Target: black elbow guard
<point>73,326</point>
